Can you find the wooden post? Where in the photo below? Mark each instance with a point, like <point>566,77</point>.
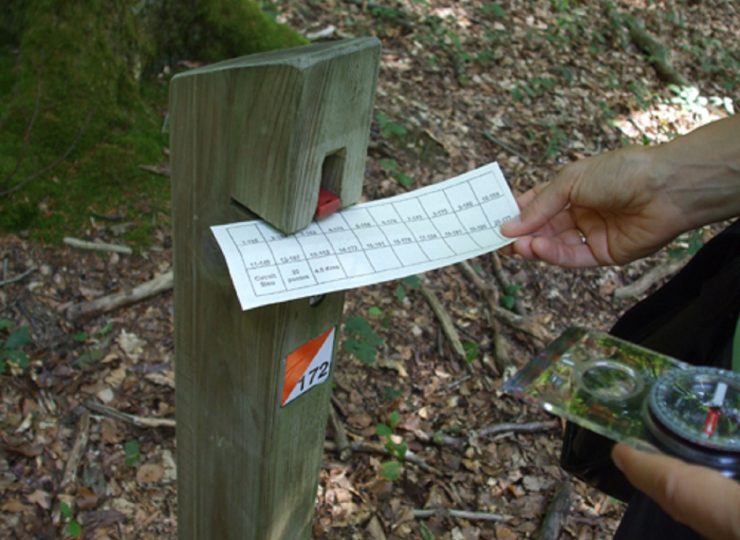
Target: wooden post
<point>256,137</point>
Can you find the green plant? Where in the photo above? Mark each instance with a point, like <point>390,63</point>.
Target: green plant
<point>361,342</point>
<point>509,298</point>
<point>73,526</point>
<point>132,452</point>
<point>555,143</point>
<point>391,167</point>
<point>410,282</point>
<point>11,347</point>
<point>388,128</point>
<point>472,351</point>
<point>95,346</point>
<point>425,531</point>
<point>495,9</point>
<point>391,469</point>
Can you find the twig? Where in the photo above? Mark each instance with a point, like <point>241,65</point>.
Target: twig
<point>321,34</point>
<point>527,427</point>
<point>97,246</point>
<point>340,435</point>
<point>556,513</point>
<point>525,324</point>
<point>370,448</point>
<point>498,272</point>
<point>446,321</point>
<point>493,429</point>
<point>650,278</point>
<point>70,470</point>
<point>506,146</point>
<point>19,277</point>
<point>104,304</point>
<point>460,514</point>
<point>54,163</point>
<point>138,421</point>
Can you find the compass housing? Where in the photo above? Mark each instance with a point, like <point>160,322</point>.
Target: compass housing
<point>678,407</point>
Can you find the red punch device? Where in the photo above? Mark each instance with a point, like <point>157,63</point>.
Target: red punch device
<point>327,205</point>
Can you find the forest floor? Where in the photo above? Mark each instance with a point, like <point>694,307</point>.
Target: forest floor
<point>532,85</point>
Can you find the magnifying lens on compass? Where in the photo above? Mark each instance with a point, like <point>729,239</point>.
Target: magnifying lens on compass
<point>694,414</point>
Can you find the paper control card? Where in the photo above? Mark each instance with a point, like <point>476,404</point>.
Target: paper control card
<point>369,243</point>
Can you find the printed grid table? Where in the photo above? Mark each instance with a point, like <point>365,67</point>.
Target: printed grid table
<point>372,242</point>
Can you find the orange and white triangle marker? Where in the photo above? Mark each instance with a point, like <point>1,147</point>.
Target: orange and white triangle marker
<point>308,366</point>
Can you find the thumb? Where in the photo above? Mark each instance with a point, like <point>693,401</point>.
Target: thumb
<point>538,206</point>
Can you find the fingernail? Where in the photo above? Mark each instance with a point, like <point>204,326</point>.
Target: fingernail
<point>513,223</point>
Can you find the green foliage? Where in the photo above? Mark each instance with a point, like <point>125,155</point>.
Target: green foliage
<point>131,452</point>
<point>361,340</point>
<point>12,343</point>
<point>391,167</point>
<point>388,128</point>
<point>556,141</point>
<point>509,298</point>
<point>425,531</point>
<point>472,351</point>
<point>495,9</point>
<point>94,346</point>
<point>407,283</point>
<point>211,30</point>
<point>80,116</point>
<point>391,470</point>
<point>73,528</point>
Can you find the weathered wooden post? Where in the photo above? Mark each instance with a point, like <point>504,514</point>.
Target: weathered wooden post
<point>257,136</point>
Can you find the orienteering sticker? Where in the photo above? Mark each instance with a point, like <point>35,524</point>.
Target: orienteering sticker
<point>309,365</point>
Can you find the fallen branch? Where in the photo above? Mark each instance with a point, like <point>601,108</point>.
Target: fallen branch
<point>506,146</point>
<point>446,321</point>
<point>650,278</point>
<point>104,304</point>
<point>19,277</point>
<point>370,448</point>
<point>78,448</point>
<point>460,514</point>
<point>556,513</point>
<point>138,421</point>
<point>488,431</point>
<point>656,53</point>
<point>97,246</point>
<point>527,427</point>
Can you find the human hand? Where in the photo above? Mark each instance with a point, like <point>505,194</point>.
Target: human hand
<point>619,206</point>
<point>603,210</point>
<point>698,497</point>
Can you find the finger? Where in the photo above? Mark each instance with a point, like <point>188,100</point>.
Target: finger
<point>543,203</point>
<point>697,496</point>
<point>569,255</point>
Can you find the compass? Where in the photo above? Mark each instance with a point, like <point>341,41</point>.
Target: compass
<point>694,414</point>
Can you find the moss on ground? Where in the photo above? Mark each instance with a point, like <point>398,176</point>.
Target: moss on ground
<point>78,119</point>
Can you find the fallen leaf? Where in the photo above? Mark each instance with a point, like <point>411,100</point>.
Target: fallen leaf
<point>149,473</point>
<point>109,431</point>
<point>15,506</point>
<point>131,345</point>
<point>40,497</point>
<point>86,499</point>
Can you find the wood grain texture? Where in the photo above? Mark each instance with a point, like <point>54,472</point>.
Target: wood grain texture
<point>248,468</point>
<point>272,119</point>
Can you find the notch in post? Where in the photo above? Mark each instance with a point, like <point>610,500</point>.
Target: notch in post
<point>332,171</point>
